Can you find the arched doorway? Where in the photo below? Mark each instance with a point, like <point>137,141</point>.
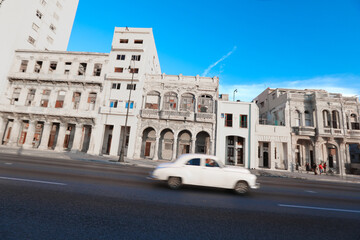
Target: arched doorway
<point>202,144</point>
<point>184,142</point>
<point>148,143</point>
<point>166,144</point>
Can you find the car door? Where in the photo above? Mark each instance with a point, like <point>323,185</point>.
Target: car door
<point>192,171</point>
<point>212,175</point>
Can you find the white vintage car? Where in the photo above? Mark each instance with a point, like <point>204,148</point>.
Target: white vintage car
<point>204,170</point>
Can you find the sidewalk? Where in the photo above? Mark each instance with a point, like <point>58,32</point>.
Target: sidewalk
<point>152,164</point>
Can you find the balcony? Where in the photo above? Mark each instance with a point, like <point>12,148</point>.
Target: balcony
<point>64,112</point>
<point>176,115</point>
<point>331,131</point>
<point>42,77</point>
<point>353,133</point>
<point>304,131</point>
<point>205,117</point>
<point>150,113</point>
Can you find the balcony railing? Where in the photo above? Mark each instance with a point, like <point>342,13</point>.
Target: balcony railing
<point>304,130</point>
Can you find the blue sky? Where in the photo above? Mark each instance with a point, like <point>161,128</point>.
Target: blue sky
<point>249,44</point>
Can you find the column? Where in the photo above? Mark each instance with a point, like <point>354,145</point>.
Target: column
<point>341,160</point>
<point>94,145</point>
<point>272,159</point>
<point>45,136</point>
<point>77,138</point>
<point>138,148</point>
<point>30,134</point>
<point>174,148</point>
<point>212,147</point>
<point>61,137</point>
<point>14,132</point>
<point>156,150</point>
<point>115,141</point>
<point>193,145</point>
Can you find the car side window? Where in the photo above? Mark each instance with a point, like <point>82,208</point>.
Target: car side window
<point>211,163</point>
<point>194,162</point>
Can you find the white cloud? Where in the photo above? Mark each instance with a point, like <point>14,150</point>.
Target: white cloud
<point>347,85</point>
<point>205,73</point>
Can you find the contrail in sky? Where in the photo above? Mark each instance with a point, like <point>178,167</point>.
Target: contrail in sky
<point>218,61</point>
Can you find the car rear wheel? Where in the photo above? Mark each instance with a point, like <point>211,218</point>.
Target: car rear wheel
<point>174,182</point>
<point>241,187</point>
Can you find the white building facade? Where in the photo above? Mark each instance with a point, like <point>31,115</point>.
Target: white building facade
<point>324,127</point>
<point>33,24</point>
<point>52,100</point>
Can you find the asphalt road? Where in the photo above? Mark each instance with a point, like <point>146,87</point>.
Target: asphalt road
<point>65,199</point>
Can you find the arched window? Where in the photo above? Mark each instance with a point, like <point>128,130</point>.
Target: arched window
<point>60,99</point>
<point>170,101</point>
<point>205,104</point>
<point>354,122</point>
<point>308,119</point>
<point>297,118</point>
<point>335,119</point>
<point>152,100</point>
<point>187,102</point>
<point>326,118</point>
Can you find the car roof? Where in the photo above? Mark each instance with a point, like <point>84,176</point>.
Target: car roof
<point>186,157</point>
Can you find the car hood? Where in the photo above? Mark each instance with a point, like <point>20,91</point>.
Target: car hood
<point>236,169</point>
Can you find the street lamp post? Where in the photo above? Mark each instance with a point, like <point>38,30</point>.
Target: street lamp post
<point>235,91</point>
<point>122,153</point>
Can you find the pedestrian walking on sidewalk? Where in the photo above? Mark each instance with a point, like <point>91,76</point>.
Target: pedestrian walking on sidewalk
<point>314,167</point>
<point>321,168</point>
<point>324,167</point>
<point>307,167</point>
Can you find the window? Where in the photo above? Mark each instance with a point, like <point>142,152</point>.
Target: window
<point>67,72</point>
<point>68,63</point>
<point>97,69</point>
<point>170,101</point>
<point>131,105</point>
<point>76,100</point>
<point>23,66</point>
<point>124,40</point>
<point>262,104</point>
<point>243,121</point>
<point>211,163</point>
<point>115,86</point>
<point>31,40</point>
<point>39,14</point>
<point>30,97</point>
<point>38,66</point>
<point>15,96</point>
<point>52,67</point>
<point>205,104</point>
<point>82,69</point>
<point>152,100</point>
<point>113,103</point>
<point>134,70</point>
<point>67,68</point>
<point>120,57</point>
<point>335,119</point>
<point>297,118</point>
<point>49,39</point>
<point>354,122</point>
<point>52,27</point>
<point>230,152</point>
<point>58,5</point>
<point>35,27</point>
<point>56,17</point>
<point>119,70</point>
<point>228,120</point>
<point>187,102</point>
<point>91,101</point>
<point>60,99</point>
<point>135,57</point>
<point>131,87</point>
<point>326,118</point>
<point>308,119</point>
<point>45,98</point>
<point>230,140</point>
<point>138,41</point>
<point>194,162</point>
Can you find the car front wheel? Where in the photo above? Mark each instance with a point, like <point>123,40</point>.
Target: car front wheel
<point>241,187</point>
<point>174,182</point>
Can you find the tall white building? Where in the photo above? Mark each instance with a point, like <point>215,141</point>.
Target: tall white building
<point>33,24</point>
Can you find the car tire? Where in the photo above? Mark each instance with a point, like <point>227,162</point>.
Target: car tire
<point>174,182</point>
<point>241,188</point>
